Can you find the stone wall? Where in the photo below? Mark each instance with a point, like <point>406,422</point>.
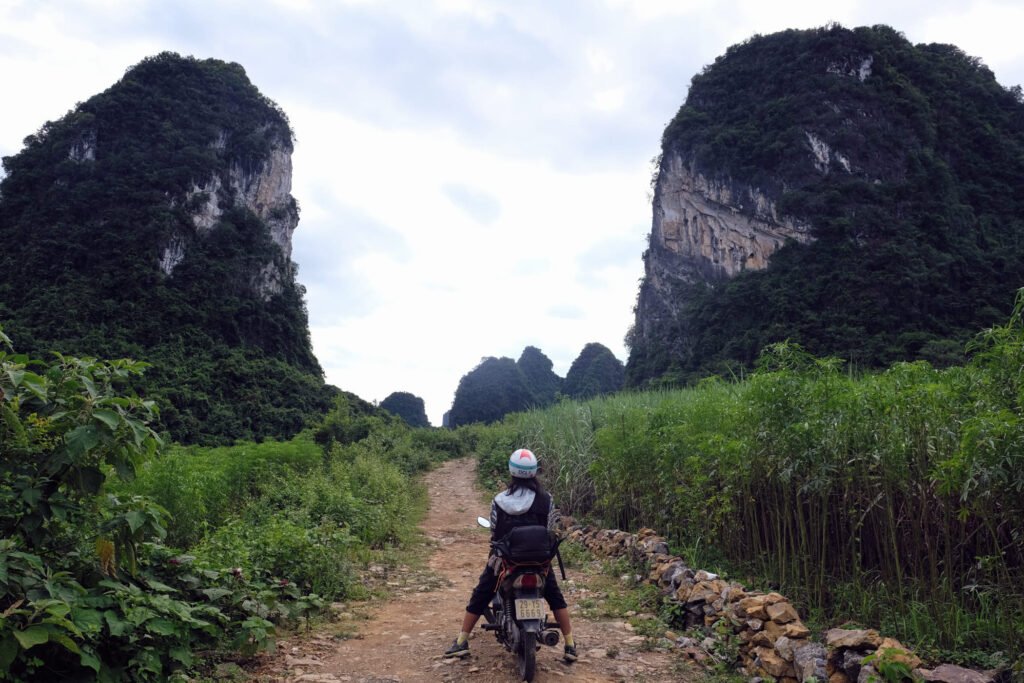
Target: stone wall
<point>774,643</point>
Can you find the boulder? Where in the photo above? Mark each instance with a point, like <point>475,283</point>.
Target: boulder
<point>838,677</point>
<point>782,612</point>
<point>796,630</point>
<point>849,662</point>
<point>734,593</point>
<point>809,661</point>
<point>867,639</point>
<point>892,650</point>
<point>868,675</point>
<point>769,660</point>
<point>950,673</point>
<point>784,646</point>
<point>775,631</point>
<point>703,591</point>
<point>754,606</point>
<point>671,572</point>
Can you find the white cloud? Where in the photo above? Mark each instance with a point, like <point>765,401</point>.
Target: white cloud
<point>987,29</point>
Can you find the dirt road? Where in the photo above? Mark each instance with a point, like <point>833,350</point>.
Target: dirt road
<point>402,640</point>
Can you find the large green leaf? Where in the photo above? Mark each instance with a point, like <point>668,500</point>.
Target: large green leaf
<point>162,627</point>
<point>135,519</point>
<point>8,651</point>
<point>118,626</point>
<point>81,440</point>
<point>109,418</point>
<point>182,654</point>
<point>88,620</point>
<point>88,658</point>
<point>90,386</point>
<point>32,636</point>
<point>35,384</point>
<point>216,593</point>
<point>62,638</point>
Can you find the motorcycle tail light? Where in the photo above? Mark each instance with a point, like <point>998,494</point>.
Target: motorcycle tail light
<point>528,581</point>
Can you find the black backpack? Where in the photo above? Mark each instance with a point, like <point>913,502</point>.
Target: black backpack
<point>532,543</point>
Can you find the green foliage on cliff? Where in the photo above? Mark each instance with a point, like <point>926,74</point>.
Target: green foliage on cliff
<point>919,244</point>
<point>542,380</point>
<point>88,208</point>
<point>595,371</point>
<point>408,407</point>
<point>499,386</point>
<point>488,392</point>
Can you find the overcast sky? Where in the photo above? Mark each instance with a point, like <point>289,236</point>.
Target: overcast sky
<point>473,176</point>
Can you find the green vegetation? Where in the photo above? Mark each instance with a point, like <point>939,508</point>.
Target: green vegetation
<point>122,560</point>
<point>917,246</point>
<point>892,498</point>
<point>488,392</point>
<point>499,386</point>
<point>408,407</point>
<point>544,384</point>
<point>595,371</point>
<point>87,210</point>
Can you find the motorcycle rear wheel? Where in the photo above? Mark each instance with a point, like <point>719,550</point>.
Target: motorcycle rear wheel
<point>527,655</point>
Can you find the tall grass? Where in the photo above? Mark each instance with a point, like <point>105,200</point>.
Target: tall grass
<point>896,497</point>
<point>300,511</point>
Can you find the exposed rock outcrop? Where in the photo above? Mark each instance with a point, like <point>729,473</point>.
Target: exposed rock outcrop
<point>720,228</point>
<point>707,229</point>
<point>264,190</point>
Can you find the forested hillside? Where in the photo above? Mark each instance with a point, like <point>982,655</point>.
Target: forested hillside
<point>884,178</point>
<point>153,222</point>
<point>499,386</point>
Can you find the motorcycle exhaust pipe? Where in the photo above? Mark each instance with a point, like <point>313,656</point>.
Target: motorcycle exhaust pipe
<point>549,638</point>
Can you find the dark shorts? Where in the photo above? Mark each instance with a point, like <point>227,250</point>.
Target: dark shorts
<point>488,583</point>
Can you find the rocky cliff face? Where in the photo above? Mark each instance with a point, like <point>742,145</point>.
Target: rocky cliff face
<point>155,221</point>
<point>705,230</point>
<point>841,189</point>
<point>264,190</point>
<point>713,227</point>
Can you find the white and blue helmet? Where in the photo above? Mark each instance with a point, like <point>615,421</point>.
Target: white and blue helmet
<point>523,464</point>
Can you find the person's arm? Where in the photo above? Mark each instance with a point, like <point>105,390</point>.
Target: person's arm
<point>494,521</point>
<point>554,516</point>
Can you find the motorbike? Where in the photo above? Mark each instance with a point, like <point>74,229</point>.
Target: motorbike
<point>517,613</point>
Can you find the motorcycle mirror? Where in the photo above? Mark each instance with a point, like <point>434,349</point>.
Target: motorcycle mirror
<point>485,523</point>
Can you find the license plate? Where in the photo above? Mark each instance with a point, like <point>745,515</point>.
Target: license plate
<point>529,609</point>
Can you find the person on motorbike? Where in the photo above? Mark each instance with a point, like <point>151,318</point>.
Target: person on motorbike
<point>523,502</point>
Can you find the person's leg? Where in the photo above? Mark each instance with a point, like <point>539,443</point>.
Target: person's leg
<point>468,622</point>
<point>553,594</point>
<point>482,595</point>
